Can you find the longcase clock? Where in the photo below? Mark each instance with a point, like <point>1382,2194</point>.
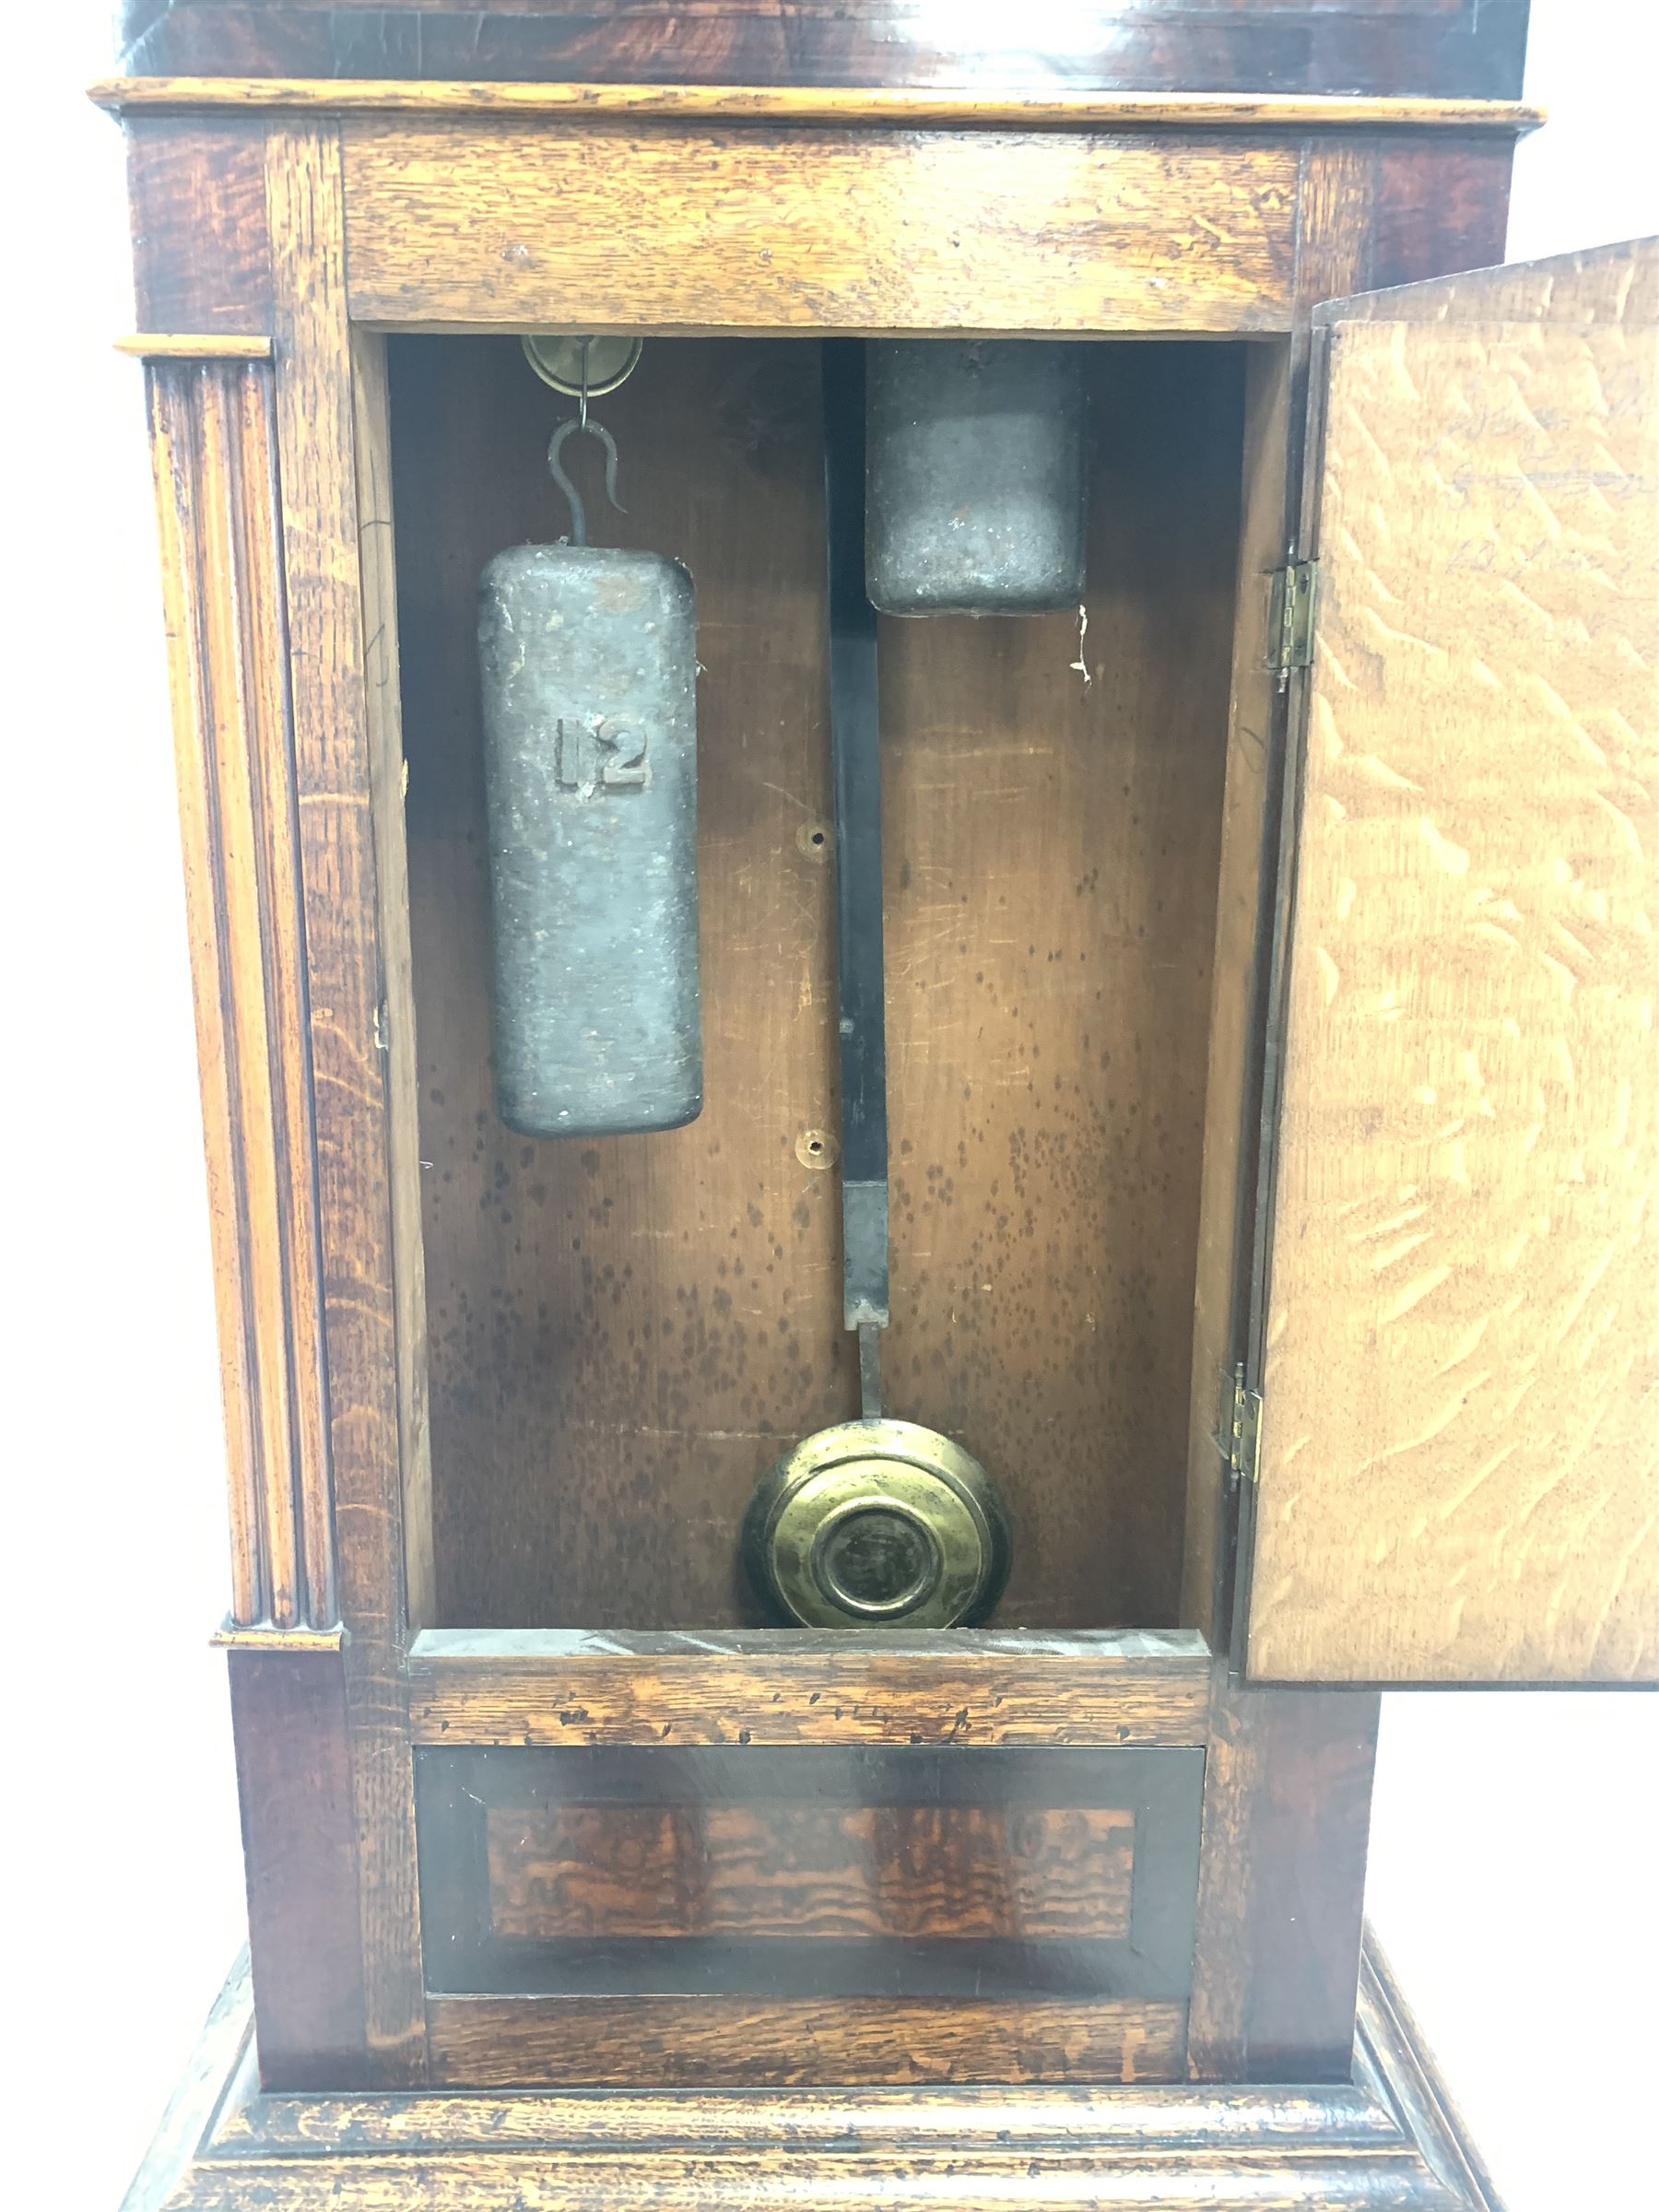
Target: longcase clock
<point>840,1399</point>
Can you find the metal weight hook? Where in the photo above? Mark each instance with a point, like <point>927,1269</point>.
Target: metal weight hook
<point>574,498</point>
<point>593,429</point>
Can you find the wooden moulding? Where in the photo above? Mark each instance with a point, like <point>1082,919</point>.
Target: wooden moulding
<point>261,1638</point>
<point>898,105</point>
<point>194,346</point>
<point>1386,2140</point>
<point>502,1687</point>
<point>213,438</point>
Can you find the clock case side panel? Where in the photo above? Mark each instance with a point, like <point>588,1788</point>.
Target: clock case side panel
<point>254,378</point>
<point>212,406</point>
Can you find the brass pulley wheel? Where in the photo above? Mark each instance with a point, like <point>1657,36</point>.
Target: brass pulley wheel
<point>582,367</point>
<point>878,1524</point>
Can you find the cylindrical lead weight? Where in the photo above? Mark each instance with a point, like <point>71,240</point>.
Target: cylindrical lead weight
<point>976,475</point>
<point>588,658</point>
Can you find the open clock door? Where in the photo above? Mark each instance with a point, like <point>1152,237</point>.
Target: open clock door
<point>1457,1476</point>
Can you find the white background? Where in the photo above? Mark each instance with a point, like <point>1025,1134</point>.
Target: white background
<point>1512,1867</point>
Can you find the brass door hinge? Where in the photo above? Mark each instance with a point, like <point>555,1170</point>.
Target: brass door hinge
<point>1290,617</point>
<point>1239,1430</point>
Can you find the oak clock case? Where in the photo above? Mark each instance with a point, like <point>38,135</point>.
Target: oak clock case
<point>1246,946</point>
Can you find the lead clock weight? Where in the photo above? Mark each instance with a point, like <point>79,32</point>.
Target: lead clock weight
<point>588,669</point>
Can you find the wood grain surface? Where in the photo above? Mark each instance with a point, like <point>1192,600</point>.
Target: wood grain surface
<point>1051,838</point>
<point>1387,2137</point>
<point>1287,1817</point>
<point>1459,1448</point>
<point>489,2041</point>
<point>293,1770</point>
<point>192,345</point>
<point>1110,2122</point>
<point>511,223</point>
<point>201,244</point>
<point>850,1870</point>
<point>959,1687</point>
<point>625,1334</point>
<point>1381,211</point>
<point>959,1872</point>
<point>802,103</point>
<point>1340,192</point>
<point>320,522</point>
<point>1438,204</point>
<point>383,700</point>
<point>1243,926</point>
<point>1160,46</point>
<point>213,440</point>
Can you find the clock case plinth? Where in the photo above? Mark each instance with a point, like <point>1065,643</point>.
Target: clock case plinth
<point>1388,2140</point>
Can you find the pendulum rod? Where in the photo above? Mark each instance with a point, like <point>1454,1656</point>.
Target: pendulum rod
<point>855,761</point>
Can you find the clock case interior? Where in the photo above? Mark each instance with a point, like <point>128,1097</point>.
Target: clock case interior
<point>624,1333</point>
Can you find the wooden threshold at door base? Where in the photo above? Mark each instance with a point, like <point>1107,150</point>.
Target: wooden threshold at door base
<point>952,1686</point>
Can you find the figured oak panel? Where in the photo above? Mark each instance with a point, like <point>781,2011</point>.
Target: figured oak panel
<point>1459,1444</point>
<point>806,228</point>
<point>955,1872</point>
<point>911,1872</point>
